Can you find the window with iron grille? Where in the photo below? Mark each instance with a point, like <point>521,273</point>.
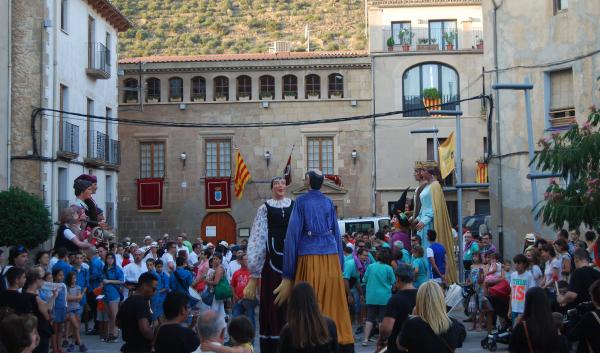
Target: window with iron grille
<point>313,85</point>
<point>290,86</point>
<point>221,87</point>
<point>319,151</point>
<point>244,87</point>
<point>336,85</point>
<point>130,94</point>
<point>198,88</point>
<point>152,89</point>
<point>267,86</point>
<point>218,158</point>
<point>152,160</point>
<point>175,89</point>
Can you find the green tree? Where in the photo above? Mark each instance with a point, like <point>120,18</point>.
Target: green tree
<point>24,219</point>
<point>574,154</point>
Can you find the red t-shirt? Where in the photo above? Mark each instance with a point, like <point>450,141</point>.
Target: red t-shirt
<point>239,281</point>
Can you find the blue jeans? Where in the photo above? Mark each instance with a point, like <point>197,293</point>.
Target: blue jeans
<point>244,307</point>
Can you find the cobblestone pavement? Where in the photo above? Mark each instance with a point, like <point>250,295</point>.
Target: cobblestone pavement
<point>472,343</point>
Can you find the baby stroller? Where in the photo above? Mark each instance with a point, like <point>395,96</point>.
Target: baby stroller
<point>499,300</point>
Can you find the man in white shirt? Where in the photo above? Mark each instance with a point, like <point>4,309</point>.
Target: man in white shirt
<point>134,270</point>
<point>168,258</point>
<point>181,246</point>
<point>234,265</point>
<point>196,251</point>
<point>147,243</point>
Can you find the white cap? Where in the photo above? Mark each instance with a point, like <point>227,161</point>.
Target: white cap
<point>530,237</point>
<point>154,245</point>
<point>147,237</point>
<point>224,243</point>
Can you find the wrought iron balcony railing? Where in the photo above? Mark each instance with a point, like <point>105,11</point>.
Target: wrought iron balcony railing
<point>417,104</point>
<point>69,139</point>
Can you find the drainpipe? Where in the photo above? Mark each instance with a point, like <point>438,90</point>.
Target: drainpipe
<point>54,135</point>
<point>9,99</point>
<point>374,172</point>
<point>498,142</point>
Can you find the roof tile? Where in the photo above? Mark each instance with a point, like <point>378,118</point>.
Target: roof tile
<point>245,57</point>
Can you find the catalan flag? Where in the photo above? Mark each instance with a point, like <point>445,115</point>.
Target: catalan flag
<point>242,175</point>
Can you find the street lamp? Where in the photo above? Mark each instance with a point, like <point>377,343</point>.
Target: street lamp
<point>354,155</point>
<point>267,157</point>
<point>183,158</point>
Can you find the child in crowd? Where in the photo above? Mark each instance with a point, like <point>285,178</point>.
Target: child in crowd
<point>74,295</point>
<point>476,279</point>
<point>101,315</point>
<point>59,311</point>
<point>493,271</point>
<point>419,265</point>
<point>157,300</point>
<point>241,332</point>
<point>520,281</point>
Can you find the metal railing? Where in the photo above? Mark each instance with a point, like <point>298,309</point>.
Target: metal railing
<point>447,102</point>
<point>69,141</point>
<point>433,39</point>
<point>99,59</point>
<point>114,152</point>
<point>97,145</point>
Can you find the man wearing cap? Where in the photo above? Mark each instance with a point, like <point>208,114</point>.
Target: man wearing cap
<point>147,242</point>
<point>313,254</point>
<point>85,186</point>
<point>265,261</point>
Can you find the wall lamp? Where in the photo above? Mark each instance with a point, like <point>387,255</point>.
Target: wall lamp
<point>183,158</point>
<point>354,155</point>
<point>267,157</point>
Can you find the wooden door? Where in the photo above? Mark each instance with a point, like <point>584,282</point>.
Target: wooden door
<point>225,226</point>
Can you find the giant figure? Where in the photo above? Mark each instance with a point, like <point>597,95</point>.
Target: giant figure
<point>433,214</point>
<point>265,261</point>
<point>313,254</point>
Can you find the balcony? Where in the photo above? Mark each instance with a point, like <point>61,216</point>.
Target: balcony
<point>446,102</point>
<point>432,39</point>
<point>103,151</point>
<point>68,141</point>
<point>98,61</point>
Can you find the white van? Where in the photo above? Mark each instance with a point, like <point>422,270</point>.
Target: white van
<point>362,224</point>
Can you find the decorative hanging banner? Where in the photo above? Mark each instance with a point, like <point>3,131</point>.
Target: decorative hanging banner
<point>217,193</point>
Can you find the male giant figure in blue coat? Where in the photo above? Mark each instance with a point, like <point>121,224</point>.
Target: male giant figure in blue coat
<point>313,254</point>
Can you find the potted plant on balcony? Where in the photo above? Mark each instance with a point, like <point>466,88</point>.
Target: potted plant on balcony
<point>152,100</point>
<point>313,94</point>
<point>432,99</point>
<point>335,95</point>
<point>266,95</point>
<point>479,42</point>
<point>390,43</point>
<point>289,95</point>
<point>244,96</point>
<point>449,38</point>
<point>175,99</point>
<point>199,98</point>
<point>220,97</point>
<point>427,44</point>
<point>405,36</point>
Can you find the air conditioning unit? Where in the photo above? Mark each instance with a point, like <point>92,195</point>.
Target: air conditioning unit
<point>281,46</point>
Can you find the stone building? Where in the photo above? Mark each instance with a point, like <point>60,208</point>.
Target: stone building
<point>178,179</point>
<point>63,56</point>
<point>554,45</point>
<point>418,46</point>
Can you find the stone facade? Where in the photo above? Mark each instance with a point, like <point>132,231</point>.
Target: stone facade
<point>399,78</point>
<point>5,74</point>
<point>61,55</point>
<point>535,40</point>
<point>184,207</point>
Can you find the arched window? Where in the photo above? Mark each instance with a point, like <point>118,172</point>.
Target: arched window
<point>198,92</point>
<point>431,83</point>
<point>175,89</point>
<point>313,86</point>
<point>221,88</point>
<point>130,90</point>
<point>290,86</point>
<point>244,87</point>
<point>153,90</point>
<point>267,87</point>
<point>335,88</point>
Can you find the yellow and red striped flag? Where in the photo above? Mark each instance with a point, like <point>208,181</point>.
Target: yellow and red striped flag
<point>242,175</point>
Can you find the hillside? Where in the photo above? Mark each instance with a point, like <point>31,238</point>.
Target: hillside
<point>180,27</point>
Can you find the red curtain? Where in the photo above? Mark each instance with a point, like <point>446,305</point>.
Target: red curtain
<point>150,193</point>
